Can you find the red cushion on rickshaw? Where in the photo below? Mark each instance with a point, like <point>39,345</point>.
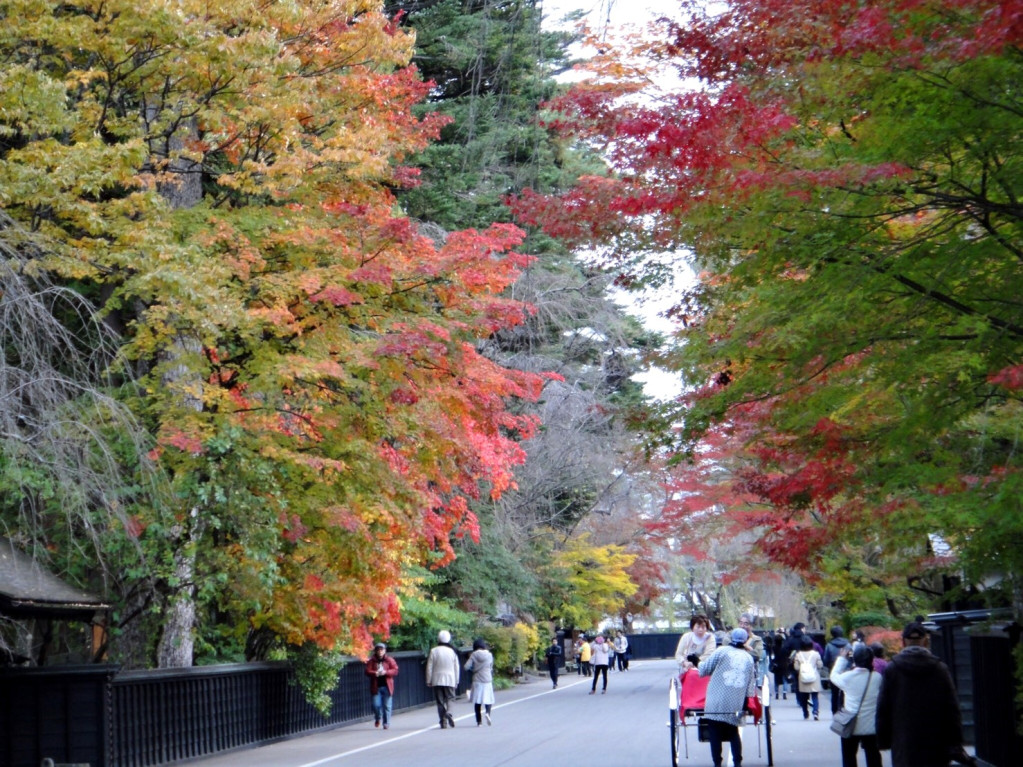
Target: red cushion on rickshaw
<point>694,690</point>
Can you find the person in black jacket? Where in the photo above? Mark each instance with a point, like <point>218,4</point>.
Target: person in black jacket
<point>792,645</point>
<point>917,710</point>
<point>779,665</point>
<point>553,659</point>
<point>837,647</point>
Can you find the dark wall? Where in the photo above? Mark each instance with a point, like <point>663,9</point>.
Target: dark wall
<point>54,712</point>
<point>97,716</point>
<point>653,645</point>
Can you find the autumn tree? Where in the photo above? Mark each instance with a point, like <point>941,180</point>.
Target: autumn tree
<point>847,181</point>
<point>492,66</point>
<point>218,181</point>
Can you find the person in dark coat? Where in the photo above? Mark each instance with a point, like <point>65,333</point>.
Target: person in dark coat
<point>793,644</point>
<point>779,665</point>
<point>553,659</point>
<point>835,649</point>
<point>917,710</point>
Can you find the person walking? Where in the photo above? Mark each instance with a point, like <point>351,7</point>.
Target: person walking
<point>807,664</point>
<point>600,661</point>
<point>733,679</point>
<point>381,669</point>
<point>780,666</point>
<point>553,655</point>
<point>697,641</point>
<point>793,644</point>
<point>622,651</point>
<point>835,648</point>
<point>443,670</point>
<point>577,650</point>
<point>918,714</point>
<point>754,646</point>
<point>861,685</point>
<point>585,656</point>
<point>481,665</point>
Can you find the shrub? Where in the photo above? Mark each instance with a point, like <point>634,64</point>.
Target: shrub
<point>512,646</point>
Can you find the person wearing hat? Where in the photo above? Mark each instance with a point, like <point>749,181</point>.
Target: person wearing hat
<point>381,669</point>
<point>733,679</point>
<point>918,714</point>
<point>443,670</point>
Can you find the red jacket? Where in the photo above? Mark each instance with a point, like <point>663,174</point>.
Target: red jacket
<point>390,671</point>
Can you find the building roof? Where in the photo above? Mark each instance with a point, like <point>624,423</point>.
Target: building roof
<point>28,590</point>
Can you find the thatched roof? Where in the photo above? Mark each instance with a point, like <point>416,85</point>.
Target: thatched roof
<point>27,590</point>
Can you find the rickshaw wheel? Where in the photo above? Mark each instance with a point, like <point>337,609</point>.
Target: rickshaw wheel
<point>674,725</point>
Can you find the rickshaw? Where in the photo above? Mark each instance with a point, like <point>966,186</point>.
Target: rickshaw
<point>687,696</point>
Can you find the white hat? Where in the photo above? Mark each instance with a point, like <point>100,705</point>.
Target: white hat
<point>444,636</point>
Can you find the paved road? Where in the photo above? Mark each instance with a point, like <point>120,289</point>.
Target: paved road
<point>535,725</point>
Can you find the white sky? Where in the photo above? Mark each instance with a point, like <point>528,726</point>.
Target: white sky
<point>634,12</point>
<point>648,307</point>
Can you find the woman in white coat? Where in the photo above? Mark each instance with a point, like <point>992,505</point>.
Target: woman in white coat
<point>861,686</point>
<point>481,665</point>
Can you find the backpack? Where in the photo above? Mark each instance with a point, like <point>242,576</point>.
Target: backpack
<point>807,670</point>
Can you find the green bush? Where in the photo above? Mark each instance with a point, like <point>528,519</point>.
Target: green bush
<point>867,618</point>
<point>512,646</point>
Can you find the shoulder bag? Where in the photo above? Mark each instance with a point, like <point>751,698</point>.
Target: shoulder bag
<point>844,721</point>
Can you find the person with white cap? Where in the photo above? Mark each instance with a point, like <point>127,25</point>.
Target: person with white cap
<point>443,670</point>
<point>381,670</point>
<point>733,679</point>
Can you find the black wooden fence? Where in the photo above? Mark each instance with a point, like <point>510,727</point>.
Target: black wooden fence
<point>977,646</point>
<point>98,716</point>
<point>653,645</point>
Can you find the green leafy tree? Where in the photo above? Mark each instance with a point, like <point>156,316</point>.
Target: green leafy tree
<point>847,179</point>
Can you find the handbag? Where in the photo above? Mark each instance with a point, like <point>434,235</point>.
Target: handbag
<point>844,722</point>
<point>755,707</point>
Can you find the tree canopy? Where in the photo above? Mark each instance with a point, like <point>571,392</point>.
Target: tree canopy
<point>846,179</point>
<point>218,182</point>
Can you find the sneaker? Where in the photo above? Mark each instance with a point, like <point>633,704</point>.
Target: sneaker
<point>816,718</point>
<point>376,723</point>
<point>593,692</point>
<point>489,722</point>
<point>386,725</point>
<point>603,692</point>
<point>451,720</point>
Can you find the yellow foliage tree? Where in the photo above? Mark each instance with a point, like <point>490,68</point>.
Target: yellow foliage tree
<point>588,582</point>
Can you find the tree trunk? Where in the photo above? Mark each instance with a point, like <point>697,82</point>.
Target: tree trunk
<point>181,187</point>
